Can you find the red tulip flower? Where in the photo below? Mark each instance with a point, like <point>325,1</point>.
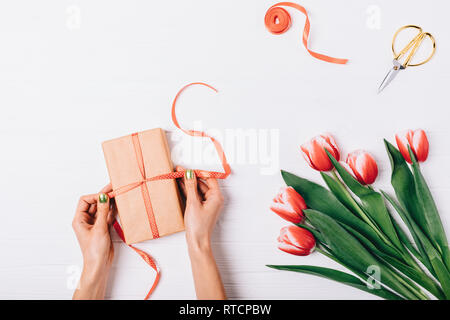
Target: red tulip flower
<point>418,142</point>
<point>296,240</point>
<point>289,205</point>
<point>362,166</point>
<point>314,152</point>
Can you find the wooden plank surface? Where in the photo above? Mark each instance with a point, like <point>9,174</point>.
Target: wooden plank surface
<point>76,73</point>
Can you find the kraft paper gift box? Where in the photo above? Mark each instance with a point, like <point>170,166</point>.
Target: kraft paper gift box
<point>122,157</point>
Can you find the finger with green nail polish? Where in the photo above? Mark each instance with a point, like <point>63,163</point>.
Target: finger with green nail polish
<point>189,174</point>
<point>103,198</point>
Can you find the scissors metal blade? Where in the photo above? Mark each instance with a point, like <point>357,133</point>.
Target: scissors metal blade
<point>391,75</point>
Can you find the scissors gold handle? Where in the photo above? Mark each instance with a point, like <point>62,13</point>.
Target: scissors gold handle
<point>413,45</point>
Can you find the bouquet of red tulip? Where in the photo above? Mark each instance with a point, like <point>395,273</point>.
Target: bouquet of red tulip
<point>352,224</point>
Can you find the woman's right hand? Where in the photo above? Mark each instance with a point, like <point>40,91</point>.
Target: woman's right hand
<point>204,202</point>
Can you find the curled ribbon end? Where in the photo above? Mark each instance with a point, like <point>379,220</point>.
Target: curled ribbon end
<point>227,169</point>
<point>200,83</point>
<point>338,61</point>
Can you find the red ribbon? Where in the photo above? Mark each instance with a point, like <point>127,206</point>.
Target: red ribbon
<point>278,21</point>
<point>144,255</point>
<point>170,175</point>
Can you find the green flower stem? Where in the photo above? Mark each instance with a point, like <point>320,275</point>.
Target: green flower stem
<point>360,211</point>
<point>404,254</point>
<point>325,253</point>
<point>409,259</point>
<point>418,293</point>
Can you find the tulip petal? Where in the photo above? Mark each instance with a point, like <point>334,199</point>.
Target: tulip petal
<point>304,148</point>
<point>420,145</point>
<point>334,150</point>
<point>348,168</point>
<point>289,205</point>
<point>319,157</point>
<point>368,168</point>
<point>282,233</point>
<point>314,152</point>
<point>402,144</point>
<point>294,199</point>
<point>299,237</point>
<point>286,212</point>
<point>364,166</point>
<point>352,163</point>
<point>292,249</point>
<point>296,240</point>
<point>418,142</point>
<point>278,198</point>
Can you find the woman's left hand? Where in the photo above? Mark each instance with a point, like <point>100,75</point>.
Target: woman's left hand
<point>93,218</point>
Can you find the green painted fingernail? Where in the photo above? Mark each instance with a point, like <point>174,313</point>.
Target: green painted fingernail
<point>189,174</point>
<point>103,198</point>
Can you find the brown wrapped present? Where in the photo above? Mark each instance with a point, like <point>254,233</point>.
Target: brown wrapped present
<point>147,209</point>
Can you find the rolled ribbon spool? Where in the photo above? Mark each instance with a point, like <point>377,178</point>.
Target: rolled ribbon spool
<point>278,21</point>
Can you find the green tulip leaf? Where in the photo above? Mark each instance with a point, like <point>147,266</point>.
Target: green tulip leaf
<point>415,274</point>
<point>340,193</point>
<point>339,276</point>
<point>343,195</point>
<point>435,264</point>
<point>348,249</point>
<point>321,199</point>
<point>372,203</point>
<point>402,181</point>
<point>406,242</point>
<point>414,230</point>
<point>442,274</point>
<point>430,211</point>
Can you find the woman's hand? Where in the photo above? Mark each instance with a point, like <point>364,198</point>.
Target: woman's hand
<point>204,202</point>
<point>93,218</point>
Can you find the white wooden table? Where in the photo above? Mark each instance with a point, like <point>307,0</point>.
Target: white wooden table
<point>75,73</point>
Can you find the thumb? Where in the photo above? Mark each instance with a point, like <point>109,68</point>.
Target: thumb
<point>190,182</point>
<point>102,210</point>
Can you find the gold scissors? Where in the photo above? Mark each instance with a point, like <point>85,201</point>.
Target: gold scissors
<point>413,45</point>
